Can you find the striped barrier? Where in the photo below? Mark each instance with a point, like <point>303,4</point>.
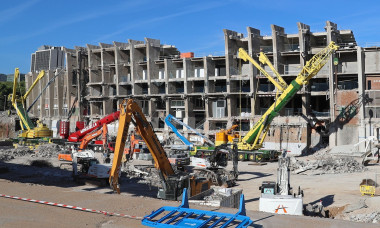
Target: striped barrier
<point>72,207</point>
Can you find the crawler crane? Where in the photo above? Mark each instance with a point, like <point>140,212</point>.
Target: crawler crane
<point>254,139</point>
<point>30,135</point>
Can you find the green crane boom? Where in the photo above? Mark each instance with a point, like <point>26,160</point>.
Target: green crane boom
<point>255,137</point>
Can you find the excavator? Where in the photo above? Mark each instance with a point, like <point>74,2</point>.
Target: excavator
<point>172,181</point>
<point>212,160</point>
<point>30,135</point>
<point>86,140</point>
<point>250,144</point>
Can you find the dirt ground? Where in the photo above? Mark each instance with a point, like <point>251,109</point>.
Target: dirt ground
<point>19,178</point>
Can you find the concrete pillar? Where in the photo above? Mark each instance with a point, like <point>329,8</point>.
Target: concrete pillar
<point>231,39</point>
<point>361,90</point>
<point>278,34</point>
<point>169,70</point>
<point>118,65</point>
<point>332,33</point>
<point>253,49</point>
<point>304,44</point>
<point>209,69</point>
<point>59,94</point>
<point>186,69</point>
<point>71,62</point>
<point>134,63</point>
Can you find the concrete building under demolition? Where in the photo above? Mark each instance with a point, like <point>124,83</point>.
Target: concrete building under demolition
<point>340,106</point>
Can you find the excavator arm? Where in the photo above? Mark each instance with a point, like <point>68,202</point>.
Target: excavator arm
<point>131,112</point>
<point>89,137</point>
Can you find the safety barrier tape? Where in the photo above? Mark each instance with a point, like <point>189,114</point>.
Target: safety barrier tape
<point>71,207</point>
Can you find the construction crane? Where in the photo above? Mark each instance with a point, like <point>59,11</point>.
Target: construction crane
<point>30,134</point>
<point>253,140</point>
<point>171,120</point>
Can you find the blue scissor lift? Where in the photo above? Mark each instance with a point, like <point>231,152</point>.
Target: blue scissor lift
<point>183,216</point>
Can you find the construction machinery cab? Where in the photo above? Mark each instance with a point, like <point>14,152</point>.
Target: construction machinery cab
<point>268,187</point>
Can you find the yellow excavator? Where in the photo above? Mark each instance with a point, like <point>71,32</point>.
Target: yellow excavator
<point>172,181</point>
<point>30,134</point>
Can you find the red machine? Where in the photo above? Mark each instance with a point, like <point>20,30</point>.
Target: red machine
<point>86,140</point>
<point>78,135</point>
<point>89,137</point>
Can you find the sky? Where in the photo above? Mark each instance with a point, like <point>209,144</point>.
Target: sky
<point>190,25</point>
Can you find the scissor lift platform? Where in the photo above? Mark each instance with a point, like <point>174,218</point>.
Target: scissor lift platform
<point>183,216</point>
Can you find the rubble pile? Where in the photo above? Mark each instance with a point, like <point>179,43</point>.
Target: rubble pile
<point>327,165</point>
<point>219,194</point>
<point>5,157</point>
<point>9,154</point>
<point>373,217</point>
<point>315,210</point>
<point>48,150</point>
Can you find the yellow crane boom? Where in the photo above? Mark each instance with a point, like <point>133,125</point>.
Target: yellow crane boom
<point>255,137</point>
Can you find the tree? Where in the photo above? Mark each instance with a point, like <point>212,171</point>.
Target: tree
<point>6,88</point>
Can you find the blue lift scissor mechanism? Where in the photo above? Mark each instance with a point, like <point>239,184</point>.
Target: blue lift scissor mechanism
<point>183,216</point>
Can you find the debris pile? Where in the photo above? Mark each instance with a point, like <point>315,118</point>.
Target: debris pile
<point>9,154</point>
<point>373,217</point>
<point>48,150</point>
<point>327,165</point>
<point>5,157</point>
<point>219,194</point>
<point>355,206</point>
<point>315,210</point>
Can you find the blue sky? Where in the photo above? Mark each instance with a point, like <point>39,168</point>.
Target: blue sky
<point>189,25</point>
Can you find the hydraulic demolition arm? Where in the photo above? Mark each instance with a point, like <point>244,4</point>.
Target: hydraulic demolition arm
<point>131,112</point>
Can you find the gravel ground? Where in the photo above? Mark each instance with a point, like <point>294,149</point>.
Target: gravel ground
<point>17,177</point>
